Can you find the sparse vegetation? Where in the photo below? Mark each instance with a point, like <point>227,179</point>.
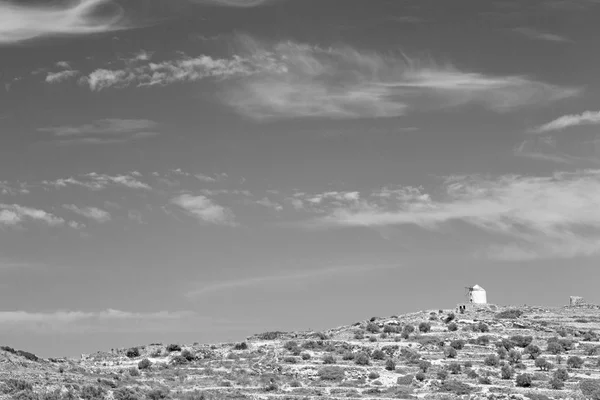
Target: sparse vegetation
<point>347,363</point>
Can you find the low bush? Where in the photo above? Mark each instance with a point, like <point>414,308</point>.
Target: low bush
<point>456,387</point>
<point>543,364</point>
<point>133,371</point>
<point>360,335</point>
<point>90,392</point>
<point>390,329</point>
<point>188,355</point>
<point>372,328</point>
<point>173,347</point>
<point>533,351</point>
<point>502,353</point>
<point>390,365</point>
<point>454,368</point>
<point>457,344</point>
<point>509,314</point>
<point>451,317</point>
<point>424,327</point>
<point>405,380</point>
<point>472,374</point>
<point>451,352</point>
<point>347,356</point>
<point>556,384</point>
<point>442,374</point>
<point>291,360</point>
<point>329,359</point>
<point>408,329</point>
<point>17,385</point>
<point>158,393</point>
<point>590,388</point>
<point>523,380</point>
<point>561,374</point>
<point>378,355</point>
<point>506,372</point>
<point>485,380</point>
<point>270,335</point>
<point>241,346</point>
<point>483,340</point>
<point>361,358</point>
<point>125,393</point>
<point>373,375</point>
<point>133,352</point>
<point>372,339</point>
<point>491,361</point>
<point>331,373</point>
<point>574,362</point>
<point>521,341</point>
<point>452,327</point>
<point>424,365</point>
<point>305,356</point>
<point>290,345</point>
<point>514,356</point>
<point>144,364</point>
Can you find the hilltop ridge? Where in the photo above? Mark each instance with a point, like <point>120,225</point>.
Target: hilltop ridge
<point>490,352</point>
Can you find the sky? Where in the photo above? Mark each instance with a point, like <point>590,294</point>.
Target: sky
<point>202,170</point>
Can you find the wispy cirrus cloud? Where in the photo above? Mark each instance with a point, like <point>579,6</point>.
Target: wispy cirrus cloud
<point>15,215</point>
<point>553,216</point>
<point>309,81</point>
<point>566,121</point>
<point>185,69</point>
<point>535,34</point>
<point>20,22</point>
<point>95,181</point>
<point>204,209</point>
<point>292,80</point>
<point>61,76</point>
<point>104,131</point>
<point>92,213</point>
<point>253,282</point>
<point>237,3</point>
<point>109,320</point>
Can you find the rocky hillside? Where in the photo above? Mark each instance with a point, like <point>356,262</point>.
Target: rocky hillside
<point>488,353</point>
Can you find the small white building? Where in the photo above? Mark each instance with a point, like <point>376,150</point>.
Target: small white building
<point>476,295</point>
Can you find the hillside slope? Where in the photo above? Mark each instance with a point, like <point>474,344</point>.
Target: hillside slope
<point>492,352</point>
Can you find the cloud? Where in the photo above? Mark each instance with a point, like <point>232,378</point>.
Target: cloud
<point>237,3</point>
<point>252,282</point>
<point>93,213</point>
<point>566,121</point>
<point>95,181</point>
<point>299,80</point>
<point>186,69</point>
<point>61,76</point>
<point>104,131</point>
<point>19,22</point>
<point>540,214</point>
<point>204,209</point>
<point>94,321</point>
<point>539,35</point>
<point>14,215</point>
<point>9,188</point>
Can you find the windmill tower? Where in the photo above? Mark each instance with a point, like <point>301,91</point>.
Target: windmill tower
<point>476,295</point>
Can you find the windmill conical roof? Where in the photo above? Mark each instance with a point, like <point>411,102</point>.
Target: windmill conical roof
<point>477,287</point>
